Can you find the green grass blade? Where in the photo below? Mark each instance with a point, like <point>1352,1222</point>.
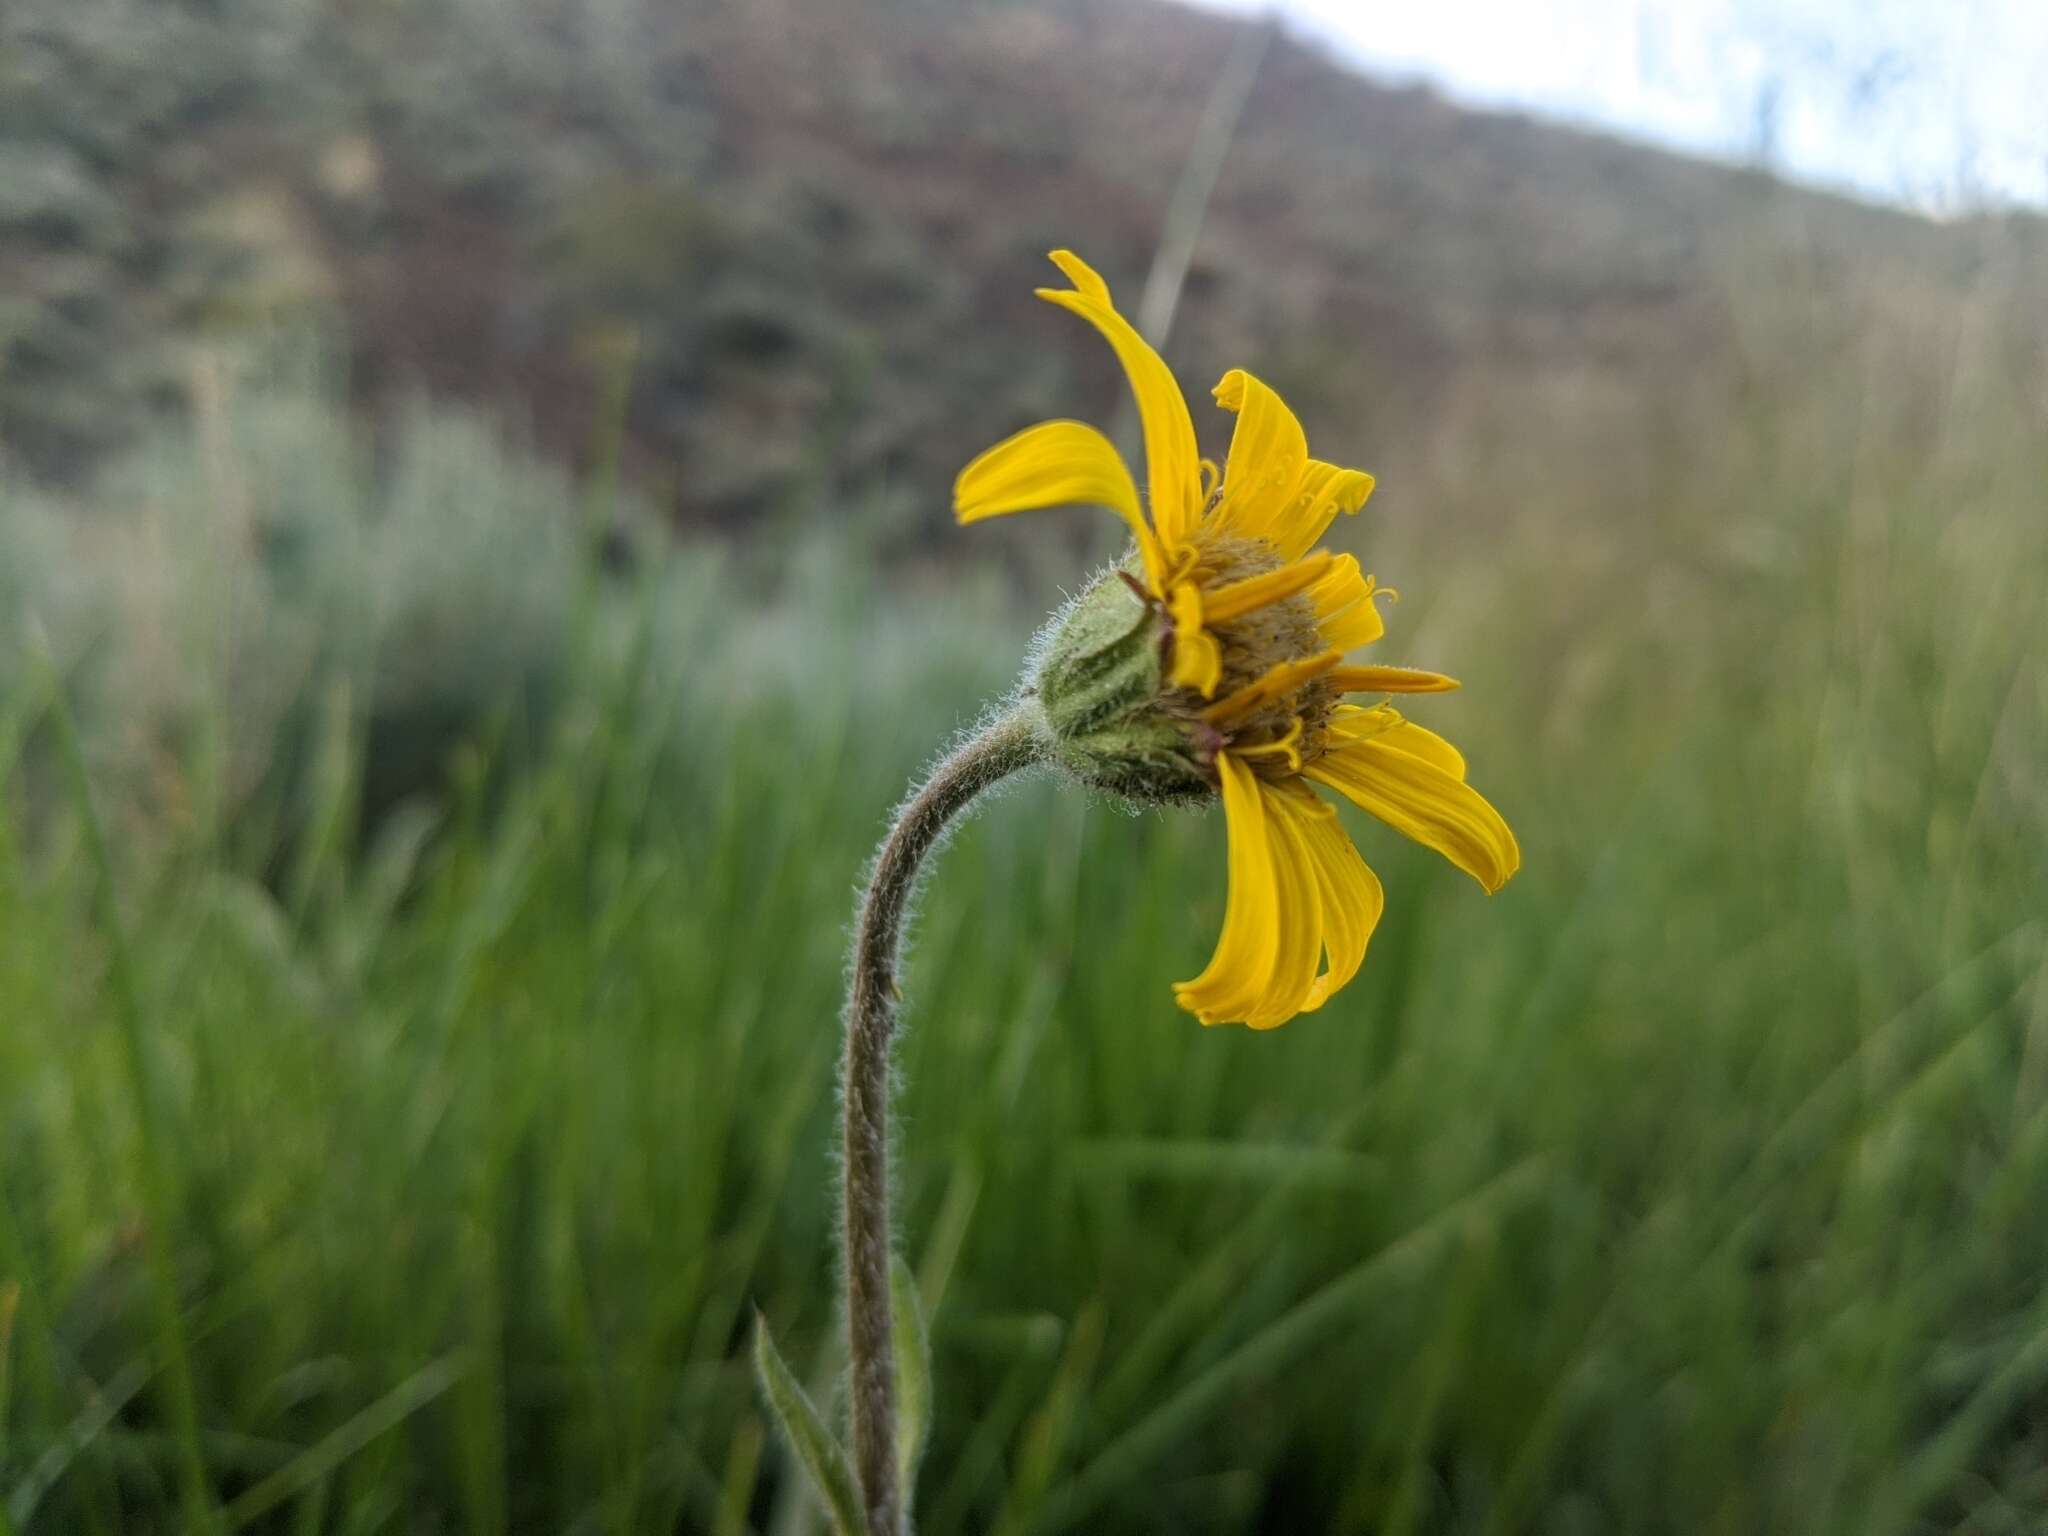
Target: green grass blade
<point>104,1407</point>
<point>822,1456</point>
<point>319,1461</point>
<point>913,1347</point>
<point>157,1154</point>
<point>1124,1461</point>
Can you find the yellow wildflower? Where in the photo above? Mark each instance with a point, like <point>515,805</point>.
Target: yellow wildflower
<point>1213,663</point>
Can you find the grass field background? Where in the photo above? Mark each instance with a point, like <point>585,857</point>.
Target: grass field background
<point>398,1122</point>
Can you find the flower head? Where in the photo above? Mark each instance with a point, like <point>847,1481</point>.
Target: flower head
<point>1212,662</point>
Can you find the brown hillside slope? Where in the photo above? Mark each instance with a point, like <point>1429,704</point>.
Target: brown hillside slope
<point>820,226</point>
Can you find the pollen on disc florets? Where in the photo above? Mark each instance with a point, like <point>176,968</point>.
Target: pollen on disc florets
<point>1117,721</point>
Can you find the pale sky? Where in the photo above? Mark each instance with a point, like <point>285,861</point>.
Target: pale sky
<point>1939,104</point>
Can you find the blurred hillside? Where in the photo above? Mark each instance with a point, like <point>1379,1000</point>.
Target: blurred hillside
<point>820,227</point>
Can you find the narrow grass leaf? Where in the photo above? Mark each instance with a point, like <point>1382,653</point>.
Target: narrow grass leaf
<point>913,1373</point>
<point>742,1466</point>
<point>366,1428</point>
<point>815,1447</point>
<point>1205,1162</point>
<point>156,1152</point>
<point>1268,1350</point>
<point>1045,1443</point>
<point>100,1411</point>
<point>1947,1458</point>
<point>10,1302</point>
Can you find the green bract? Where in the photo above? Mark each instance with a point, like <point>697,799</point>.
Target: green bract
<point>1103,688</point>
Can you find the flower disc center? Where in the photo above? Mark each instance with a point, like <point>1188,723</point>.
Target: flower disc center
<point>1254,643</point>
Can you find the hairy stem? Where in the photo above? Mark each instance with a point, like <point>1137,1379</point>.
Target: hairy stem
<point>1011,742</point>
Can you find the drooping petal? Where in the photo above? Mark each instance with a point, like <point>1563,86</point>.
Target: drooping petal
<point>1418,798</point>
<point>1352,899</point>
<point>1300,950</point>
<point>1054,464</point>
<point>1264,970</point>
<point>1172,462</point>
<point>1324,491</point>
<point>1390,680</point>
<point>1236,978</point>
<point>1197,656</point>
<point>1267,455</point>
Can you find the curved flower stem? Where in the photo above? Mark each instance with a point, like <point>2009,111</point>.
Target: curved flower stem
<point>1010,742</point>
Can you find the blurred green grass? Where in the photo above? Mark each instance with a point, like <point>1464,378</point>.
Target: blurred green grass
<point>482,905</point>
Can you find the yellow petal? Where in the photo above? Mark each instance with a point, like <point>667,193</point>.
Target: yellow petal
<point>1352,900</point>
<point>1235,980</point>
<point>1275,681</point>
<point>1324,491</point>
<point>1081,275</point>
<point>1300,896</point>
<point>1197,657</point>
<point>1300,948</point>
<point>1340,585</point>
<point>1390,680</point>
<point>1417,797</point>
<point>1054,464</point>
<point>1241,597</point>
<point>1355,722</point>
<point>1358,625</point>
<point>1172,463</point>
<point>1344,603</point>
<point>1352,723</point>
<point>1431,748</point>
<point>1267,455</point>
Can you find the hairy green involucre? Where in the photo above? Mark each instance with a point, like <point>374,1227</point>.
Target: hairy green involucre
<point>1100,684</point>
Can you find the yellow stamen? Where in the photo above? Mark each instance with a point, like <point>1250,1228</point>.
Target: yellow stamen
<point>1241,597</point>
<point>1277,680</point>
